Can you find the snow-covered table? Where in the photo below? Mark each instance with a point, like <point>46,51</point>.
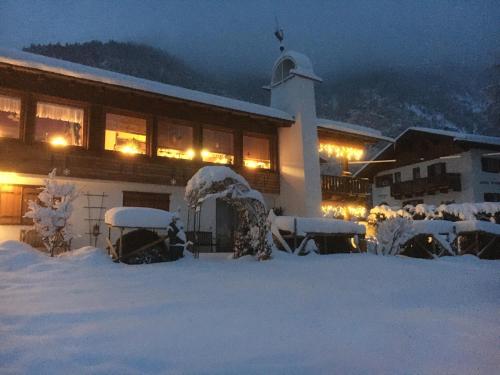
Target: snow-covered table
<point>134,218</point>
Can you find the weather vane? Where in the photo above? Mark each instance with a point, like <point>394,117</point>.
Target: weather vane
<point>279,34</point>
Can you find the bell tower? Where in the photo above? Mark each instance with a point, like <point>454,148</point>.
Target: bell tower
<point>292,91</point>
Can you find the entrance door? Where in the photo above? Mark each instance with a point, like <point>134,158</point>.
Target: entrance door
<point>225,219</point>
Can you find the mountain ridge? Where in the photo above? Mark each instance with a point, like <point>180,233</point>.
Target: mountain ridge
<point>389,99</point>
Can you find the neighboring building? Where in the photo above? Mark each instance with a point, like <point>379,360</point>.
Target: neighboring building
<point>138,142</point>
<point>436,166</point>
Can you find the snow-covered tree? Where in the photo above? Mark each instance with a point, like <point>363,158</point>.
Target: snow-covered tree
<point>392,234</point>
<point>51,213</point>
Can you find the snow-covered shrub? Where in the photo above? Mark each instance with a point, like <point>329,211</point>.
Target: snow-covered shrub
<point>392,234</point>
<point>252,235</point>
<point>487,211</point>
<point>51,213</point>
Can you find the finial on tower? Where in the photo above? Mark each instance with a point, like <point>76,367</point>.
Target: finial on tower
<point>279,34</point>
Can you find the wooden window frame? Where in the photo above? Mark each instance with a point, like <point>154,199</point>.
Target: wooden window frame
<point>237,143</point>
<point>196,144</point>
<point>150,131</point>
<point>22,117</point>
<point>21,220</point>
<point>272,148</point>
<point>384,177</point>
<point>63,102</point>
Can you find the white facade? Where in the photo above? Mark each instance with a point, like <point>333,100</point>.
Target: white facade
<point>113,191</point>
<point>474,181</point>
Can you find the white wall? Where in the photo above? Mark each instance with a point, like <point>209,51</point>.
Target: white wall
<point>463,165</point>
<point>114,191</point>
<point>484,182</point>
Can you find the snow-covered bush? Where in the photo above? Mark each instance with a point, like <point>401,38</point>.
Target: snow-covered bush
<point>51,213</point>
<point>392,234</point>
<point>252,235</point>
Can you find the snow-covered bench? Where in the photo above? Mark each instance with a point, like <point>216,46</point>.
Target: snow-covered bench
<point>295,232</point>
<point>435,238</point>
<point>151,221</point>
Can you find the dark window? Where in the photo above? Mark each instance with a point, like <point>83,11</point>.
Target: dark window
<point>14,203</point>
<point>385,180</point>
<point>175,140</point>
<point>397,177</point>
<point>437,169</point>
<point>10,117</point>
<point>59,125</point>
<point>416,173</point>
<point>150,200</point>
<point>490,165</point>
<point>492,197</point>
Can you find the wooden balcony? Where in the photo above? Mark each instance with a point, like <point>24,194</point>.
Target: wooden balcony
<point>427,185</point>
<point>344,185</point>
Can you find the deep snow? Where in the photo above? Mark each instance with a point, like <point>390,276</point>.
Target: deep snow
<point>331,314</point>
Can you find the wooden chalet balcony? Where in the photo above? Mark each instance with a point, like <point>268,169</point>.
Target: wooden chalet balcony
<point>427,185</point>
<point>344,185</point>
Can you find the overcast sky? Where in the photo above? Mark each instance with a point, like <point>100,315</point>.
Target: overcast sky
<point>238,35</point>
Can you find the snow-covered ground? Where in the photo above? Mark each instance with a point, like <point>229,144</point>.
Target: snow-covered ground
<point>332,314</point>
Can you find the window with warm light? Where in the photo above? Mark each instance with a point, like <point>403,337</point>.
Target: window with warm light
<point>217,147</point>
<point>10,116</point>
<point>256,152</point>
<point>59,125</point>
<point>125,134</point>
<point>175,140</point>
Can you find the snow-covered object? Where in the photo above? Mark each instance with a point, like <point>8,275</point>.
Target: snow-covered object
<point>201,185</point>
<point>305,225</point>
<point>477,225</point>
<point>52,213</point>
<point>433,226</point>
<point>392,234</point>
<point>138,217</point>
<point>468,211</point>
<point>48,64</point>
<point>352,129</point>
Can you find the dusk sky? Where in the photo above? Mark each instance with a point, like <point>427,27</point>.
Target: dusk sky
<point>238,35</point>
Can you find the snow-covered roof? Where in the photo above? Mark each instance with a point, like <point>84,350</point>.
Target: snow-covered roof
<point>303,65</point>
<point>306,225</point>
<point>352,129</point>
<point>457,136</point>
<point>138,217</point>
<point>66,68</point>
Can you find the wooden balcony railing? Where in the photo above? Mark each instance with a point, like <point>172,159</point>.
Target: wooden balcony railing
<point>344,185</point>
<point>427,185</point>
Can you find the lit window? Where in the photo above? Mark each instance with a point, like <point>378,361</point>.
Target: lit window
<point>175,140</point>
<point>125,134</point>
<point>59,125</point>
<point>10,111</point>
<point>217,147</point>
<point>256,153</point>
